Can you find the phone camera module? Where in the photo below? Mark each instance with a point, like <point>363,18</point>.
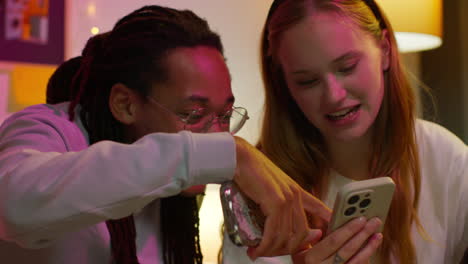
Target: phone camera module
<point>354,199</point>
<point>364,203</point>
<point>350,211</point>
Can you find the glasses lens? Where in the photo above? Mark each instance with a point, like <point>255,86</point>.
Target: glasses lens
<point>233,120</point>
<point>238,118</point>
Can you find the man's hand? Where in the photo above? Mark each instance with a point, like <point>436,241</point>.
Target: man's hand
<point>281,200</point>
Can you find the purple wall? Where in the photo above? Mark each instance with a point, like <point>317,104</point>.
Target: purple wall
<point>50,53</point>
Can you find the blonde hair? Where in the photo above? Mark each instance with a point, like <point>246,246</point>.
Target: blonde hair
<point>297,147</point>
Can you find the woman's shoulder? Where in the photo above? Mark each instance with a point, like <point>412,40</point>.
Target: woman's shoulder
<point>440,149</point>
<point>444,185</point>
<point>430,134</point>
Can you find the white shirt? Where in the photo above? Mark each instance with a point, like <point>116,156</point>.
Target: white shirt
<point>443,202</point>
<point>56,191</point>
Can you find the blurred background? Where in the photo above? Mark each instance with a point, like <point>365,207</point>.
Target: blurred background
<point>37,35</point>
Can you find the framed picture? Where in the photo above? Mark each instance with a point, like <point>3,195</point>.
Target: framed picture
<point>32,31</point>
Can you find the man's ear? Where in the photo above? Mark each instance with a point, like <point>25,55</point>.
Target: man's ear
<point>122,103</point>
<point>386,49</point>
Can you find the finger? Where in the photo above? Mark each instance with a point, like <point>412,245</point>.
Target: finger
<point>300,227</point>
<point>358,241</point>
<point>333,242</point>
<point>284,230</point>
<point>364,255</point>
<point>271,226</point>
<point>282,236</point>
<point>289,227</point>
<point>300,257</point>
<point>336,259</point>
<point>315,206</point>
<point>297,242</point>
<point>312,238</point>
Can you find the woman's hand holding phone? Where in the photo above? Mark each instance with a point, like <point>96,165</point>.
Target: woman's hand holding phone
<point>359,214</point>
<point>354,242</point>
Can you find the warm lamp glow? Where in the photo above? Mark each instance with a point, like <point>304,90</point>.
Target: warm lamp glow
<point>211,220</point>
<point>95,30</point>
<point>91,9</point>
<point>417,23</point>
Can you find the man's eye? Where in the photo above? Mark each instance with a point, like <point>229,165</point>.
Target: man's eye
<point>184,115</point>
<point>191,116</point>
<point>225,118</point>
<point>194,119</point>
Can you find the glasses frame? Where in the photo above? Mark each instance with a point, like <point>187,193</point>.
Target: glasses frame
<point>212,119</point>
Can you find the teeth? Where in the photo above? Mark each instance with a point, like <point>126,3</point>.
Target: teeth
<point>340,113</point>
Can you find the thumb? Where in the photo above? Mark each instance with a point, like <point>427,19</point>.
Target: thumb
<point>299,258</point>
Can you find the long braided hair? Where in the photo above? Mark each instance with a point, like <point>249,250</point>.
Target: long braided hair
<point>133,54</point>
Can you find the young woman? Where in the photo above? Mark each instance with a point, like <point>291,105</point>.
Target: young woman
<point>339,108</point>
<point>89,181</point>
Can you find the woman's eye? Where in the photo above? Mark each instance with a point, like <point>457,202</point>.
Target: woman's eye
<point>348,69</point>
<point>311,82</point>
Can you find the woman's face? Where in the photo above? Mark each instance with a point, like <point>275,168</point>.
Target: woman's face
<point>335,73</point>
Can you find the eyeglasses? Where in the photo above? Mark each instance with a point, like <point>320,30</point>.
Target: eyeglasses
<point>196,121</point>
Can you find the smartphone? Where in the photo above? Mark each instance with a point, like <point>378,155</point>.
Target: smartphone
<point>368,198</point>
<point>243,218</point>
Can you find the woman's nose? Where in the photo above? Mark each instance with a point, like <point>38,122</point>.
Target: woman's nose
<point>334,90</point>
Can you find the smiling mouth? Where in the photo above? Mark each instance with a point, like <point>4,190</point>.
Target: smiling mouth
<point>343,114</point>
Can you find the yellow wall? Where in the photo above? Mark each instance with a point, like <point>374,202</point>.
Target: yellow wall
<point>28,85</point>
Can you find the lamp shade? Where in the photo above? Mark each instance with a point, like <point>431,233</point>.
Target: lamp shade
<point>417,23</point>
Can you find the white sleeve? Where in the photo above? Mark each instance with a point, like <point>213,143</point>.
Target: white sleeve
<point>233,254</point>
<point>459,187</point>
<point>46,191</point>
<point>444,169</point>
<point>452,158</point>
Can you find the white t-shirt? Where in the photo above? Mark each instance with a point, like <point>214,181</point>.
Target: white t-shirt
<point>443,206</point>
<point>56,191</point>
